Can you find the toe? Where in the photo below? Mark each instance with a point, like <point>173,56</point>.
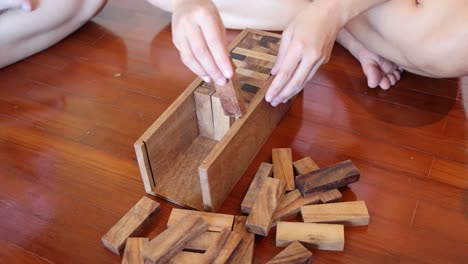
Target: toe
<point>372,73</point>
<point>392,78</point>
<point>384,83</point>
<point>397,74</point>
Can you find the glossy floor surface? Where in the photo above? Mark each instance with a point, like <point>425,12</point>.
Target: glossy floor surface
<point>69,117</point>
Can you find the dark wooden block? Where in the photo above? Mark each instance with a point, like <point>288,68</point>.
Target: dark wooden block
<point>250,88</point>
<point>332,177</point>
<point>236,56</point>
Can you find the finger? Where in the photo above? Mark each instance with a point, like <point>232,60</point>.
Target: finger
<point>203,55</point>
<point>284,47</point>
<point>191,62</point>
<point>288,67</point>
<point>214,35</point>
<point>309,77</point>
<point>295,83</point>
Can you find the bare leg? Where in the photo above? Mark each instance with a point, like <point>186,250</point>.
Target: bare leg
<point>25,33</point>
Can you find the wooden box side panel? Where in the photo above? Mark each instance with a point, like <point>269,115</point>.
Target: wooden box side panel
<point>228,161</point>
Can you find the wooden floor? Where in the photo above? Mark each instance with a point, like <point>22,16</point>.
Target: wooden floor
<point>69,117</point>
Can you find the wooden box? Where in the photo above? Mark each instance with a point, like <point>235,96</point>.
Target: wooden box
<point>179,163</point>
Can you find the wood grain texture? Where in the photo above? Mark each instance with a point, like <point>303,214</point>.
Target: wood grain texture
<point>129,225</point>
<point>231,97</point>
<point>186,257</point>
<point>132,253</point>
<point>221,122</point>
<point>330,196</point>
<point>290,205</point>
<point>245,251</point>
<point>202,97</point>
<point>295,253</point>
<point>305,165</point>
<point>231,244</point>
<point>283,166</point>
<point>319,236</point>
<point>167,244</point>
<point>202,242</point>
<point>346,213</point>
<point>265,170</point>
<point>332,177</point>
<point>216,222</point>
<point>261,215</point>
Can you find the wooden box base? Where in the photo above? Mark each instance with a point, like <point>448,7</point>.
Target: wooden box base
<point>180,163</point>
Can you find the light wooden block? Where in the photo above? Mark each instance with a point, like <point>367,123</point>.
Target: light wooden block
<point>295,253</point>
<point>245,251</point>
<point>186,257</point>
<point>216,222</point>
<point>330,196</point>
<point>319,236</point>
<point>167,244</point>
<point>202,97</point>
<point>261,215</point>
<point>221,122</point>
<point>346,213</point>
<point>332,177</point>
<point>305,165</point>
<point>129,225</point>
<point>290,205</point>
<point>202,242</point>
<point>265,170</point>
<point>226,244</point>
<point>132,253</point>
<point>230,96</point>
<point>283,166</point>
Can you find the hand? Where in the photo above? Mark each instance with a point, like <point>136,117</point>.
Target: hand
<point>8,4</point>
<point>306,44</point>
<point>199,35</point>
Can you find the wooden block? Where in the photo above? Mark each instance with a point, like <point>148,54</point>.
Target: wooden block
<point>254,54</point>
<point>305,165</point>
<point>290,205</point>
<point>330,196</point>
<point>333,177</point>
<point>253,74</point>
<point>319,236</point>
<point>202,242</point>
<point>283,166</point>
<point>265,170</point>
<point>216,222</point>
<point>295,253</point>
<point>186,257</point>
<point>347,213</point>
<point>167,244</point>
<point>245,251</point>
<point>132,253</point>
<point>221,122</point>
<point>261,215</point>
<point>223,248</point>
<point>202,98</point>
<point>231,97</point>
<point>129,225</point>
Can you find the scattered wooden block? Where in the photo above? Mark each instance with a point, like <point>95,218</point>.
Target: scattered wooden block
<point>186,257</point>
<point>245,251</point>
<point>166,245</point>
<point>333,177</point>
<point>283,166</point>
<point>132,253</point>
<point>231,96</point>
<point>129,225</point>
<point>295,253</point>
<point>260,217</point>
<point>226,244</point>
<point>291,204</point>
<point>347,213</point>
<point>202,242</point>
<point>221,122</point>
<point>319,236</point>
<point>202,97</point>
<point>330,196</point>
<point>305,165</point>
<point>216,222</point>
<point>265,170</point>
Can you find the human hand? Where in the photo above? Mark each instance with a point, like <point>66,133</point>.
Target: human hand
<point>199,35</point>
<point>8,4</point>
<point>306,44</point>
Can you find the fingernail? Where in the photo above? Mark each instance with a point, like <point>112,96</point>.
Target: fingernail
<point>268,98</point>
<point>221,81</point>
<point>206,79</point>
<point>228,74</point>
<point>275,103</point>
<point>274,70</point>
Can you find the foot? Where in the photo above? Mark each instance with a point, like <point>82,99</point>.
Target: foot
<point>379,71</point>
<point>9,4</point>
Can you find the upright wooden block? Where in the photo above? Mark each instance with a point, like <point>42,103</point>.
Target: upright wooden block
<point>333,195</point>
<point>221,122</point>
<point>129,225</point>
<point>261,215</point>
<point>347,213</point>
<point>202,97</point>
<point>216,222</point>
<point>132,253</point>
<point>245,251</point>
<point>265,170</point>
<point>291,204</point>
<point>305,165</point>
<point>166,245</point>
<point>319,236</point>
<point>295,253</point>
<point>283,166</point>
<point>231,97</point>
<point>333,177</point>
